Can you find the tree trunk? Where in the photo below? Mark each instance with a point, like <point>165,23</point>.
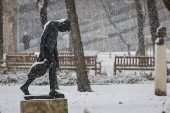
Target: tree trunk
<point>56,83</point>
<point>153,20</point>
<point>43,11</point>
<point>167,4</point>
<point>81,69</point>
<point>140,19</point>
<point>9,39</point>
<point>1,32</point>
<point>70,49</point>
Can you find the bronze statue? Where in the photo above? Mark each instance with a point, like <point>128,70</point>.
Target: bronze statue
<point>48,57</point>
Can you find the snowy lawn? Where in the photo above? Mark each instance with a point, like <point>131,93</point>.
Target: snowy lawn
<point>116,98</point>
<point>119,97</point>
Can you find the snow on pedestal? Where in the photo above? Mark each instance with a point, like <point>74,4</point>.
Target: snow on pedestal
<point>44,106</point>
<point>160,70</point>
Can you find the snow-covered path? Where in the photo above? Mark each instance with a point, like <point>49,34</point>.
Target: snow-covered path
<point>118,98</point>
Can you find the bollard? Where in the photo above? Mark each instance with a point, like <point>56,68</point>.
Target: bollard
<point>160,64</point>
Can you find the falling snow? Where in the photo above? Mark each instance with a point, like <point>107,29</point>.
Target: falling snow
<point>127,92</point>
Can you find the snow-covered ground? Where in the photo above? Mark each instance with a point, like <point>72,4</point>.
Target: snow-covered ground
<point>127,92</point>
<point>118,98</point>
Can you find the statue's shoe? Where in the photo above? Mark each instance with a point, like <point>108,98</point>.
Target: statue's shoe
<point>56,94</point>
<point>25,90</point>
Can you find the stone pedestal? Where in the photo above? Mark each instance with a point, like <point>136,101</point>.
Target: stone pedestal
<point>160,70</point>
<point>44,106</point>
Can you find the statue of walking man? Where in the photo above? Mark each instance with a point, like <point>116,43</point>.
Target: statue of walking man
<point>48,57</point>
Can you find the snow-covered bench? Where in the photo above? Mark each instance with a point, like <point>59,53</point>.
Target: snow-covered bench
<point>133,63</point>
<point>20,61</point>
<point>25,53</point>
<point>67,62</point>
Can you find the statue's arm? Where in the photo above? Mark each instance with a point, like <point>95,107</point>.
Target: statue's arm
<point>56,55</point>
<point>43,40</point>
<point>42,45</point>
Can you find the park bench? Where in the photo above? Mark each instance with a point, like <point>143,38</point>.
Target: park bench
<point>67,62</point>
<point>18,61</point>
<point>133,63</point>
<point>24,53</point>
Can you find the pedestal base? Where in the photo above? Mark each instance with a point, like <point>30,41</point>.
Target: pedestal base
<point>44,106</point>
<point>160,93</point>
<point>29,97</point>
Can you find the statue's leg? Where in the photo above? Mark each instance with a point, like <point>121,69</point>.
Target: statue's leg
<point>24,88</point>
<point>52,75</point>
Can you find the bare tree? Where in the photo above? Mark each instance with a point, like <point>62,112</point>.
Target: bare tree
<point>1,31</point>
<point>167,4</point>
<point>81,68</point>
<point>140,20</point>
<point>42,5</point>
<point>153,20</point>
<point>108,7</point>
